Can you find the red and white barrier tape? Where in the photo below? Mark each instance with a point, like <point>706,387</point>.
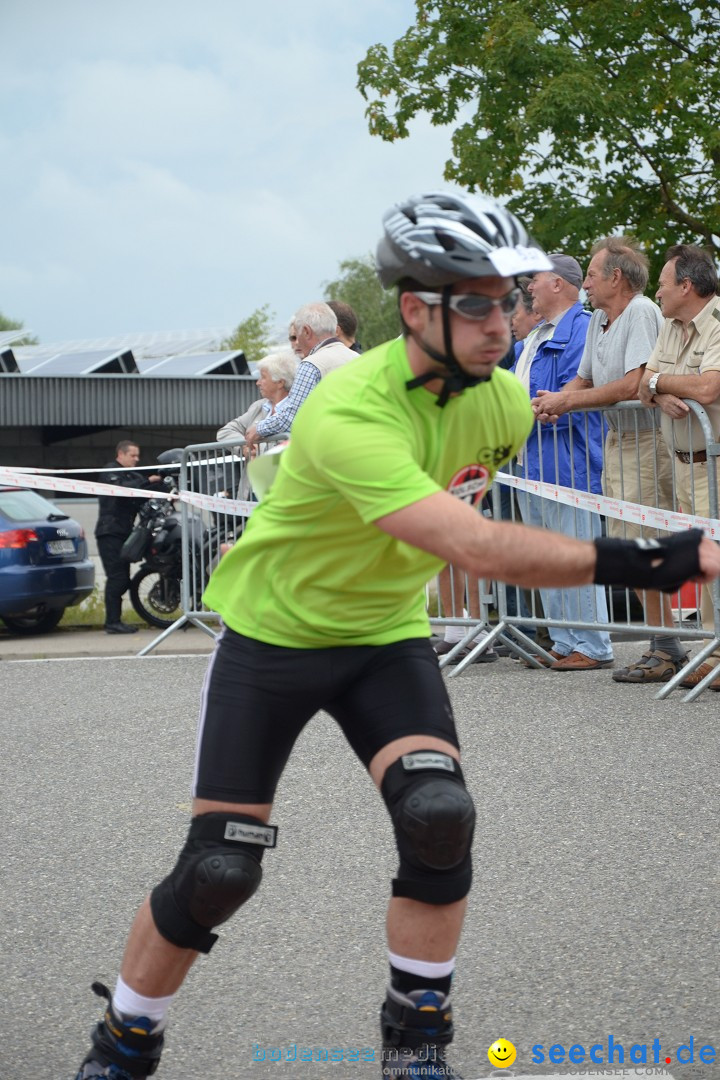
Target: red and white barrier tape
<point>17,478</point>
<point>633,513</point>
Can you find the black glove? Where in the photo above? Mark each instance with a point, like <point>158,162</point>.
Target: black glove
<point>629,562</point>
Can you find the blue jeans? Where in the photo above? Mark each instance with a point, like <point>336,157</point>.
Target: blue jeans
<point>585,604</point>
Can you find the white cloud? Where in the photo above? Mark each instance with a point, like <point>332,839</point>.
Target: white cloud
<point>176,164</point>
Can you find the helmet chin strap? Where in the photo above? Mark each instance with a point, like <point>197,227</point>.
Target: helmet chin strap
<point>456,380</point>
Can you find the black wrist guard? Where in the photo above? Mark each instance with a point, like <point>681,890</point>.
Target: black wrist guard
<point>630,562</point>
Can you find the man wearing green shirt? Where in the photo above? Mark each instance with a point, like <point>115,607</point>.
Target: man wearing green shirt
<point>323,605</point>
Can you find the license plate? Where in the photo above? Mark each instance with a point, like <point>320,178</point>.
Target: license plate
<point>60,547</point>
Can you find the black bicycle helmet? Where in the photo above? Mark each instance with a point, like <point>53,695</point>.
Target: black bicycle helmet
<point>439,238</point>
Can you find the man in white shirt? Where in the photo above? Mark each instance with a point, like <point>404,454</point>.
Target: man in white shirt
<point>621,335</point>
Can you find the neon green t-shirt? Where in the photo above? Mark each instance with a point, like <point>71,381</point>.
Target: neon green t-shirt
<point>311,569</point>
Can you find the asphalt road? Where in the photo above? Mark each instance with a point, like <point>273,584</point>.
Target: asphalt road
<point>594,911</point>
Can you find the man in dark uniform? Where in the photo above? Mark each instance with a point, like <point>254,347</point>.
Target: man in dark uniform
<point>114,525</point>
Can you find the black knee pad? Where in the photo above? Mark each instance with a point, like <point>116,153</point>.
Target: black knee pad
<point>217,871</point>
<point>434,819</point>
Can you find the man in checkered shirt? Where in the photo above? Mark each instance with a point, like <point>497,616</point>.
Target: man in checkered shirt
<point>314,326</point>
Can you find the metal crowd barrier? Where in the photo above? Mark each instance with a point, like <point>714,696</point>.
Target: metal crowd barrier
<point>214,477</point>
<point>508,615</point>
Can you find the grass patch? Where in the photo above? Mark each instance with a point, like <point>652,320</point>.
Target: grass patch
<point>91,612</point>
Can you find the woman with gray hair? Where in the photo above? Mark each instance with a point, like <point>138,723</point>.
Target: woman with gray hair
<point>276,373</point>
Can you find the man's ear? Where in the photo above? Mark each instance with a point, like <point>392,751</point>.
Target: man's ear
<point>413,311</point>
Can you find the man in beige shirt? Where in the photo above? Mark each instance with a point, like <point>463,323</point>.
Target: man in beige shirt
<point>622,334</point>
<point>685,363</point>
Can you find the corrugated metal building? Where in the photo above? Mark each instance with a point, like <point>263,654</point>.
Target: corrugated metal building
<point>67,406</point>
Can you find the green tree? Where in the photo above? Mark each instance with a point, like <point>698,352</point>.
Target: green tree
<point>376,309</point>
<point>587,116</point>
<point>254,335</point>
<point>13,324</point>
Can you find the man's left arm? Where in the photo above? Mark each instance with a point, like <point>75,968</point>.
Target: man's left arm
<point>703,388</point>
<point>583,394</point>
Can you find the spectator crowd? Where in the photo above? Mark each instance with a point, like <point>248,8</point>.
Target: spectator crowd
<point>577,366</point>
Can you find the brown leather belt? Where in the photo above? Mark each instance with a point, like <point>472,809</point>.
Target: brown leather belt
<point>691,457</point>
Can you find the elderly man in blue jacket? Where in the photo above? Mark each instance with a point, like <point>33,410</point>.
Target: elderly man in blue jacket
<point>569,455</point>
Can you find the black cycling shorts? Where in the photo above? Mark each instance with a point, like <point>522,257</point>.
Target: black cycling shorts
<point>257,698</point>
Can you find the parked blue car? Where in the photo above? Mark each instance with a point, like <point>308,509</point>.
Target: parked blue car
<point>44,564</point>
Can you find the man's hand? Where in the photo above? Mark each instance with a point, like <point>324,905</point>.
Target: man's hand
<point>672,406</point>
<point>251,435</point>
<point>549,405</point>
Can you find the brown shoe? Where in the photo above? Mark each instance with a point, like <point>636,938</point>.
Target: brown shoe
<point>543,661</point>
<point>698,675</point>
<point>577,661</point>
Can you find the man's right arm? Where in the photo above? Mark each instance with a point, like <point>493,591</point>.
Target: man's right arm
<point>518,554</point>
<point>507,551</point>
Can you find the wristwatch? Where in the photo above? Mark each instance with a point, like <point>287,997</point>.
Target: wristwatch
<point>652,384</point>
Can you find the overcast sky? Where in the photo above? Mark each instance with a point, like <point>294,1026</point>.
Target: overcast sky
<point>174,164</point>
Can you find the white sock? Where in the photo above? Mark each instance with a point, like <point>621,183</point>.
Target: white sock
<point>427,968</point>
<point>130,1004</point>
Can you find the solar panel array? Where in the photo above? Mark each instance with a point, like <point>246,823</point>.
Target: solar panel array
<point>67,360</point>
<point>158,344</point>
<point>191,365</point>
<point>98,362</point>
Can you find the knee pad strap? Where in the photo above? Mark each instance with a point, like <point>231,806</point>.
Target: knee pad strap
<point>217,871</point>
<point>434,819</point>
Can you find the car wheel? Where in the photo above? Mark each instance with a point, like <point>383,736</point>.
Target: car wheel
<point>34,623</point>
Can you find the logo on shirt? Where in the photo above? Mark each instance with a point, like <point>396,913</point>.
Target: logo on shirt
<point>493,455</point>
<point>470,484</point>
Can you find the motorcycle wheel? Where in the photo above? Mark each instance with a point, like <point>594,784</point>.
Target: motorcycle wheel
<point>156,598</point>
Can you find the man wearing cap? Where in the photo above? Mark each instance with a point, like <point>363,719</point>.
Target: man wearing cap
<point>569,454</point>
<point>621,336</point>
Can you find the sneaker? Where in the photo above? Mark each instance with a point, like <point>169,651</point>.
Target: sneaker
<point>123,1049</point>
<point>416,1029</point>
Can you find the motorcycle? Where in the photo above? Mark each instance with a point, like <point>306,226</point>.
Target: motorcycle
<point>157,543</point>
